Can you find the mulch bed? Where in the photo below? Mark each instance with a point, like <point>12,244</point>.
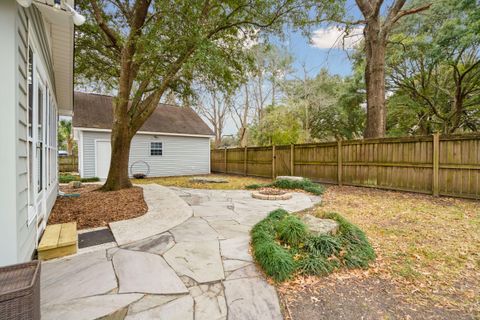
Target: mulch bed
<point>96,208</point>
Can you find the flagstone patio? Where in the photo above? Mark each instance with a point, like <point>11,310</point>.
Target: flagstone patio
<point>198,266</point>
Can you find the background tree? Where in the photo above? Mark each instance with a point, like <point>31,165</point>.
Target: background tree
<point>144,48</point>
<point>65,136</point>
<point>376,33</point>
<point>433,68</point>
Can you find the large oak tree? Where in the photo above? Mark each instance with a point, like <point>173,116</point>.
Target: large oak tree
<point>376,32</point>
<point>141,49</point>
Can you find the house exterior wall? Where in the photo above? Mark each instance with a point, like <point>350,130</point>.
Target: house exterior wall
<point>18,235</point>
<point>182,155</point>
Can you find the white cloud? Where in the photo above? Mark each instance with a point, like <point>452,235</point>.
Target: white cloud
<point>327,38</point>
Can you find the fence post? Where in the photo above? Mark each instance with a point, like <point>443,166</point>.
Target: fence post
<point>245,161</point>
<point>436,163</point>
<point>225,160</point>
<point>273,162</point>
<point>339,162</point>
<point>292,159</point>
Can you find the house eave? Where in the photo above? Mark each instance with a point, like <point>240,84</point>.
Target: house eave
<point>148,132</point>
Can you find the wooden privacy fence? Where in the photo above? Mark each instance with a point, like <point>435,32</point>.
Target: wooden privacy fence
<point>436,164</point>
<point>68,164</point>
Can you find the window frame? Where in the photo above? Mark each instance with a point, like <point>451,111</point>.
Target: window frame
<point>156,149</point>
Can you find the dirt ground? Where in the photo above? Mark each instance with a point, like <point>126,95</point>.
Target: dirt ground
<point>96,208</point>
<point>427,266</point>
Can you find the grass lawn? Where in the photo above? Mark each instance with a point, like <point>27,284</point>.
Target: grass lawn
<point>234,182</point>
<point>428,253</point>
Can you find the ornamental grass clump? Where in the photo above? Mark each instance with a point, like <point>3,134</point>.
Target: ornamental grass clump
<point>304,184</point>
<point>283,246</point>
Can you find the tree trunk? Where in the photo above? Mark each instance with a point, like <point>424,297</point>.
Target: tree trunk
<point>375,45</point>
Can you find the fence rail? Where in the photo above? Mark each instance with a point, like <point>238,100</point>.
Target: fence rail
<point>68,164</point>
<point>438,164</point>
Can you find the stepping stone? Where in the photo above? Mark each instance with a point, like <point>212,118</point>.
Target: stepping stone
<point>319,226</point>
<point>150,301</point>
<point>79,276</point>
<point>208,180</point>
<point>198,260</point>
<point>157,244</point>
<point>236,248</point>
<point>248,271</point>
<point>290,178</point>
<point>211,210</point>
<point>178,309</point>
<point>251,298</point>
<point>230,228</point>
<point>232,265</point>
<point>88,308</point>
<point>209,301</point>
<point>194,229</point>
<point>146,273</point>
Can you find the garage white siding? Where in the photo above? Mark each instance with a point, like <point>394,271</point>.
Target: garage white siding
<point>182,155</point>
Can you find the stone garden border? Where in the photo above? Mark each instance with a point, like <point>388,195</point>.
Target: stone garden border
<point>261,196</point>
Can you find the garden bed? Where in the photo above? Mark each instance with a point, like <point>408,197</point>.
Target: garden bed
<point>94,208</point>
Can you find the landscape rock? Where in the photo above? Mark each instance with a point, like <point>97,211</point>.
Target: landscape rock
<point>208,180</point>
<point>145,272</point>
<point>319,226</point>
<point>75,184</point>
<point>290,178</point>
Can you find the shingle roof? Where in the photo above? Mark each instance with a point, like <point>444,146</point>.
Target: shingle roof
<point>91,110</point>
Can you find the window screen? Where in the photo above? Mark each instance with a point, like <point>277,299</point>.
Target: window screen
<point>156,148</point>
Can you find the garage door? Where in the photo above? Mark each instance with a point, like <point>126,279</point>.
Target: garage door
<point>104,150</point>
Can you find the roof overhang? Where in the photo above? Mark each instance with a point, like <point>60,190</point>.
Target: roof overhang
<point>148,133</point>
<point>62,46</point>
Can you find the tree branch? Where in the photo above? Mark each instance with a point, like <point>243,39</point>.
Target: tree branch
<point>109,33</point>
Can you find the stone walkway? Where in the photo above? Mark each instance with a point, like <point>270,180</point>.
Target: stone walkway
<point>200,268</point>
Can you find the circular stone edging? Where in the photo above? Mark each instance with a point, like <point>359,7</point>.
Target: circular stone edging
<point>261,196</point>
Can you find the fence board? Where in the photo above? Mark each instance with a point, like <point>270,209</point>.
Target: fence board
<point>68,164</point>
<point>405,164</point>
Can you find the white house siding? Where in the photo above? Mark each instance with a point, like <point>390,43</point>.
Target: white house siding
<point>182,155</point>
<point>18,238</point>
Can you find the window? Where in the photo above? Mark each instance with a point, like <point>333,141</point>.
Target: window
<point>156,148</point>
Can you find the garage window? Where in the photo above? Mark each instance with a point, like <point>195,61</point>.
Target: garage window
<point>156,148</point>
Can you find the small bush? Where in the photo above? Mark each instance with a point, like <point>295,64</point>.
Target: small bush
<point>315,265</point>
<point>282,245</point>
<point>92,179</point>
<point>256,186</point>
<point>324,245</point>
<point>274,259</point>
<point>292,230</point>
<point>304,184</point>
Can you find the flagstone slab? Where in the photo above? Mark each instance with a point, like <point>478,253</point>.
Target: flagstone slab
<point>251,298</point>
<point>230,228</point>
<point>88,308</point>
<point>165,211</point>
<point>150,301</point>
<point>158,244</point>
<point>71,278</point>
<point>210,301</point>
<point>236,248</point>
<point>212,210</point>
<point>248,271</point>
<point>232,265</point>
<point>146,273</point>
<point>178,309</point>
<point>198,260</point>
<point>194,229</point>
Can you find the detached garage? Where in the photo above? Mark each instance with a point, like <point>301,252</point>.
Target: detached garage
<point>173,141</point>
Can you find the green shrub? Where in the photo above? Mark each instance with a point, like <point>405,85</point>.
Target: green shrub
<point>256,186</point>
<point>292,230</point>
<point>276,261</point>
<point>324,245</point>
<point>316,265</point>
<point>304,184</point>
<point>282,245</point>
<point>92,179</point>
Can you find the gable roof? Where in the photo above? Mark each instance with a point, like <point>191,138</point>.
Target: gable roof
<point>94,111</point>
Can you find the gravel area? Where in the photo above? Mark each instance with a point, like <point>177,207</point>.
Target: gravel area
<point>96,208</point>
